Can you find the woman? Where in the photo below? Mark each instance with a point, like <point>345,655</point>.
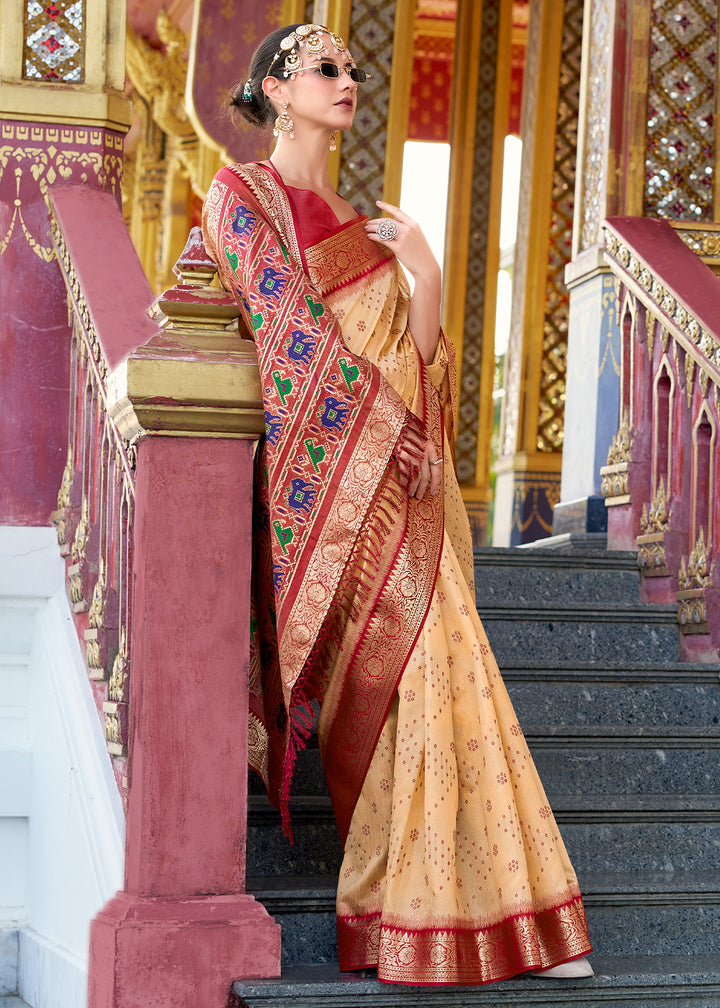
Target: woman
<point>453,870</point>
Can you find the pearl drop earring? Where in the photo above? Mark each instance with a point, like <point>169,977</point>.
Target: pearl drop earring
<point>284,124</point>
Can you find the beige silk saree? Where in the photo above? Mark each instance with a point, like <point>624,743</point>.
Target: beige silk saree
<point>454,871</point>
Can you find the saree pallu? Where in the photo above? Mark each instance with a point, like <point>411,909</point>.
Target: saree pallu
<point>454,871</point>
<point>340,585</point>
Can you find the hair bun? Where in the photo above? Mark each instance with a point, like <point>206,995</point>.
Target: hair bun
<point>251,107</point>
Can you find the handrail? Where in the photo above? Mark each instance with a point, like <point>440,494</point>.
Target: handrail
<point>131,371</point>
<point>662,475</point>
<point>96,501</point>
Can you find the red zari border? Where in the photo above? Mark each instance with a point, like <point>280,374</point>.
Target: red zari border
<point>464,956</point>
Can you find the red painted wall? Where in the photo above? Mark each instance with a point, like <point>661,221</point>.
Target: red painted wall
<point>34,334</point>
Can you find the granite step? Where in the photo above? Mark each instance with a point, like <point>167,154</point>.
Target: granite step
<point>677,981</point>
<point>629,913</point>
<point>599,695</point>
<point>645,761</point>
<point>581,635</point>
<point>642,759</point>
<point>522,579</point>
<point>650,832</point>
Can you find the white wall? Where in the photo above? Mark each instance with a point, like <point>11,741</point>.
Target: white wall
<point>61,819</point>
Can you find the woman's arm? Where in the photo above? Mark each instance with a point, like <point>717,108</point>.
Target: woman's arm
<point>412,250</point>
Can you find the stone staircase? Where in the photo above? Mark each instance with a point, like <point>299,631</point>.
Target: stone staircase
<point>627,742</point>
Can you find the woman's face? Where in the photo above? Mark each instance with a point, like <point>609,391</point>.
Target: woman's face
<point>329,102</point>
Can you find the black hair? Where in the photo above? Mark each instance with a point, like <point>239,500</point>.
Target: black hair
<point>253,104</point>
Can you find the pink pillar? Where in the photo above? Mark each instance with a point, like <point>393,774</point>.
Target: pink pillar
<point>183,928</point>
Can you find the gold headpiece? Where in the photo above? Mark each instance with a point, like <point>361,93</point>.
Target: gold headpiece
<point>308,35</point>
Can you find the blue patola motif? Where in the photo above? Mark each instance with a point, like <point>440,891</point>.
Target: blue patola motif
<point>301,346</point>
<point>334,414</point>
<point>302,495</point>
<point>273,427</point>
<point>272,283</point>
<point>242,221</point>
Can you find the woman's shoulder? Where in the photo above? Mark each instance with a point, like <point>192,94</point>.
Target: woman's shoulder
<point>247,171</point>
<point>257,177</point>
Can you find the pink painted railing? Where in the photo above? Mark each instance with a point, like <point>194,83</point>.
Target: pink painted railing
<point>154,518</point>
<point>662,480</point>
<point>96,501</point>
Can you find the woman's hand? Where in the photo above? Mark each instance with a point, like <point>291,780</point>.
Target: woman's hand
<point>404,237</point>
<point>409,244</point>
<point>423,476</point>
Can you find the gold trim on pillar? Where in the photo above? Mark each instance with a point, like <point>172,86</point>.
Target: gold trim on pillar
<point>528,479</point>
<point>503,72</point>
<point>336,15</point>
<point>472,258</point>
<point>637,113</point>
<point>400,86</point>
<point>464,103</point>
<point>541,181</point>
<point>293,12</point>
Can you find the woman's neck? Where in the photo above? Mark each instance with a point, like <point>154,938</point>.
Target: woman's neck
<point>302,164</point>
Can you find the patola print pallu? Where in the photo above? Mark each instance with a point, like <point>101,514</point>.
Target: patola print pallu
<point>454,871</point>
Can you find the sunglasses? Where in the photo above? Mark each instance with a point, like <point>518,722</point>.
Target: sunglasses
<point>332,72</point>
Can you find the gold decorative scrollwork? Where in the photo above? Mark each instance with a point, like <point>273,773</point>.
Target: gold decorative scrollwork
<point>46,254</point>
<point>693,578</point>
<point>81,532</point>
<point>654,523</point>
<point>116,686</point>
<point>657,517</point>
<point>63,502</point>
<point>620,448</point>
<point>696,574</point>
<point>63,498</point>
<point>689,378</point>
<point>96,621</point>
<point>113,728</point>
<point>611,243</point>
<point>77,599</point>
<point>614,476</point>
<point>96,612</point>
<point>650,330</point>
<point>160,76</point>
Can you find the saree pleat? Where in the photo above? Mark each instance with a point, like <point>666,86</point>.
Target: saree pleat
<point>454,870</point>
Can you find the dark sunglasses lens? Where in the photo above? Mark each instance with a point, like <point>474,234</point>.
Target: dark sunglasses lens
<point>329,70</point>
<point>358,75</point>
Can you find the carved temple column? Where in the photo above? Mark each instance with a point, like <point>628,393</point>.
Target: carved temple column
<point>63,116</point>
<point>646,147</point>
<point>610,166</point>
<point>480,119</point>
<point>531,439</point>
<point>371,155</point>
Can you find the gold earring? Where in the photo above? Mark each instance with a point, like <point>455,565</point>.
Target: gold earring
<point>284,124</point>
<point>333,141</point>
